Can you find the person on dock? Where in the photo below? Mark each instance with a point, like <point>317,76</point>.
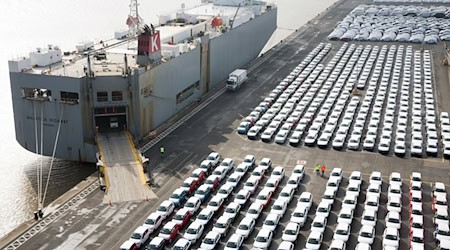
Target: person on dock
<point>322,168</point>
<point>161,150</point>
<point>317,169</point>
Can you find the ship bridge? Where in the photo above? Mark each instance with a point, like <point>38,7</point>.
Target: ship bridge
<point>122,168</point>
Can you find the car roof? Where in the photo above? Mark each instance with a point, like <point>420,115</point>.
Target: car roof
<point>206,211</point>
<point>127,244</point>
<point>264,232</point>
<point>140,229</point>
<point>157,240</point>
<point>315,234</point>
<point>417,232</point>
<point>265,191</point>
<point>342,226</point>
<point>272,216</point>
<point>439,185</point>
<point>393,214</point>
<point>212,234</point>
<point>369,212</point>
<point>366,228</point>
<point>223,219</point>
<point>391,230</point>
<point>307,194</point>
<point>246,220</point>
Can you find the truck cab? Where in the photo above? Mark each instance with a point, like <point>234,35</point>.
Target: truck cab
<point>236,79</point>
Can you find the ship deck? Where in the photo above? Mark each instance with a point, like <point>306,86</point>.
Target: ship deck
<point>92,224</point>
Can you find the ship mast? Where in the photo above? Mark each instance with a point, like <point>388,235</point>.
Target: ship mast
<point>134,21</point>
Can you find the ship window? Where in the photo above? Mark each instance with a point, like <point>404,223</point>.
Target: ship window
<point>102,96</point>
<point>71,97</point>
<point>117,96</point>
<point>34,93</point>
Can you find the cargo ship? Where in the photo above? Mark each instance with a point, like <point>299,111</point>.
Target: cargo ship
<point>135,81</point>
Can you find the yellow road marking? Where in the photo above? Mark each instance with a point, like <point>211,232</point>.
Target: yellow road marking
<point>139,167</point>
<point>105,172</point>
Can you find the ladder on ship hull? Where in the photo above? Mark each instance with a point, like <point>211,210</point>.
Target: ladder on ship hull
<point>122,167</point>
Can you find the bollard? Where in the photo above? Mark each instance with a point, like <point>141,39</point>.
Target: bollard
<point>36,216</point>
<point>41,214</point>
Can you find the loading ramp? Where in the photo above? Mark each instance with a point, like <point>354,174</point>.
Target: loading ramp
<point>125,178</point>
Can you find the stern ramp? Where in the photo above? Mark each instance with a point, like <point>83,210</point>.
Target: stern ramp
<point>124,173</point>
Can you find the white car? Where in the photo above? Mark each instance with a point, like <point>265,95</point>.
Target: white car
<point>369,217</point>
<point>345,216</point>
<point>263,239</point>
<point>394,204</point>
<point>440,201</point>
<point>252,184</point>
<point>286,194</point>
<point>293,181</point>
<point>215,204</point>
<point>165,209</point>
<point>222,225</point>
<point>336,173</point>
<point>375,178</point>
<point>391,237</point>
<point>439,187</point>
<point>319,224</point>
<point>355,176</point>
<point>353,188</point>
<point>272,184</point>
<point>279,207</point>
<point>155,243</point>
<point>246,227</point>
<point>232,210</point>
<point>337,245</point>
<point>374,190</point>
<point>440,216</point>
<point>299,170</point>
<point>350,201</point>
<point>225,191</point>
<point>266,163</point>
<point>395,178</point>
<point>234,179</point>
<point>394,190</point>
<point>300,215</point>
<point>220,172</point>
<point>259,172</point>
<point>366,234</point>
<point>323,209</point>
<point>210,241</point>
<point>254,211</point>
<point>393,220</point>
<point>333,184</point>
<point>372,202</point>
<point>153,221</point>
<point>214,158</point>
<point>194,232</point>
<point>442,232</point>
<point>249,160</point>
<point>286,245</point>
<point>227,163</point>
<point>415,196</point>
<point>363,246</point>
<point>329,196</point>
<point>204,216</point>
<point>314,240</point>
<point>140,235</point>
<point>264,196</point>
<point>417,241</point>
<point>305,200</point>
<point>242,197</point>
<point>193,204</point>
<point>271,221</point>
<point>342,232</point>
<point>369,143</point>
<point>415,176</point>
<point>235,242</point>
<point>277,173</point>
<point>241,169</point>
<point>291,232</point>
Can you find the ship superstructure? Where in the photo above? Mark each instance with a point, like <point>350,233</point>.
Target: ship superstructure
<point>132,83</point>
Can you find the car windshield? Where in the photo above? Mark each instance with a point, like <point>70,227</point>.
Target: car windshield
<point>317,224</point>
<point>342,232</point>
<point>136,236</point>
<point>438,202</point>
<point>243,227</point>
<point>191,231</point>
<point>416,225</point>
<point>376,178</point>
<point>373,203</point>
<point>332,184</point>
<point>416,212</point>
<point>232,244</point>
<point>393,220</point>
<point>162,209</point>
<point>270,184</point>
<point>231,179</point>
<point>217,173</point>
<point>178,217</point>
<point>257,173</point>
<point>442,232</point>
<point>304,199</point>
<point>297,171</point>
<point>417,240</point>
<point>249,184</point>
<point>292,182</point>
<point>367,217</point>
<point>208,241</point>
<point>202,217</point>
<point>395,191</point>
<point>220,225</point>
<point>155,247</point>
<point>391,237</point>
<point>356,178</point>
<point>247,160</point>
<point>366,234</point>
<point>353,189</point>
<point>150,222</point>
<point>213,203</point>
<point>291,232</point>
<point>284,194</point>
<point>322,209</point>
<point>211,158</point>
<point>269,222</point>
<point>165,231</point>
<point>240,170</point>
<point>185,184</point>
<point>313,241</point>
<point>223,191</point>
<point>240,197</point>
<point>230,210</point>
<point>262,197</point>
<point>329,197</point>
<point>252,211</point>
<point>442,217</point>
<point>346,216</point>
<point>261,239</point>
<point>395,204</point>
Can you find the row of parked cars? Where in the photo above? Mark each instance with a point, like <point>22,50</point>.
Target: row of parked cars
<point>411,1</point>
<point>388,23</point>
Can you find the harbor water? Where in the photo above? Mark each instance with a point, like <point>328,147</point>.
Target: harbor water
<point>26,25</point>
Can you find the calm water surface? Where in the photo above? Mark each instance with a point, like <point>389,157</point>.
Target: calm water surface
<point>25,25</point>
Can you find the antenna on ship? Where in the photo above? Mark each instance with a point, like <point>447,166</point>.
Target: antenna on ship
<point>134,21</point>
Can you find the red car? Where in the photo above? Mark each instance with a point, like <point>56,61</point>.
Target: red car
<point>182,217</point>
<point>213,182</point>
<point>199,175</point>
<point>169,231</point>
<point>189,185</point>
<point>264,197</point>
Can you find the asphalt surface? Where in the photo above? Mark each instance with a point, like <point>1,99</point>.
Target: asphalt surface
<point>92,224</point>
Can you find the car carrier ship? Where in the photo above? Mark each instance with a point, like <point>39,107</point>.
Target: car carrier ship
<point>136,81</point>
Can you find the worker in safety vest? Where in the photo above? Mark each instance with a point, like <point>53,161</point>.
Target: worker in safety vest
<point>161,150</point>
<point>317,169</point>
<point>322,168</point>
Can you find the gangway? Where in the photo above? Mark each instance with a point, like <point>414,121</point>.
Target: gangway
<point>122,168</point>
